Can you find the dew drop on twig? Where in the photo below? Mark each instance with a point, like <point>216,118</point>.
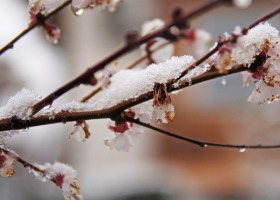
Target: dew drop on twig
<point>79,12</point>
<point>224,82</point>
<point>242,150</point>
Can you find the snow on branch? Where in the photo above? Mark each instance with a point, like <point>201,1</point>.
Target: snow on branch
<point>124,96</point>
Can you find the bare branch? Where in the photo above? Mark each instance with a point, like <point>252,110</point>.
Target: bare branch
<point>201,143</point>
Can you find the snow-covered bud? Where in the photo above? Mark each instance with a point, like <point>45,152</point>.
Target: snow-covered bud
<point>163,110</point>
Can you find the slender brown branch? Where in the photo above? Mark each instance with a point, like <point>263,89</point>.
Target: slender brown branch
<point>11,44</point>
<point>199,143</point>
<point>25,163</point>
<point>87,76</point>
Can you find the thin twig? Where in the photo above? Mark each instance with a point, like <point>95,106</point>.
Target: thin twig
<point>24,163</point>
<point>11,44</point>
<point>87,76</point>
<point>199,143</point>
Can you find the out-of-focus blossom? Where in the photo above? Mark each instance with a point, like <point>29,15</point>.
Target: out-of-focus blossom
<point>199,40</point>
<point>79,5</point>
<point>165,52</point>
<point>52,32</point>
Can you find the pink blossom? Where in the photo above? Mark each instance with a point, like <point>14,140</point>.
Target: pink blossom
<point>64,177</point>
<point>52,32</point>
<point>7,161</point>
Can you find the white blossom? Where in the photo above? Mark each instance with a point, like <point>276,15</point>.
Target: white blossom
<point>164,113</point>
<point>80,132</point>
<point>118,141</point>
<point>264,93</point>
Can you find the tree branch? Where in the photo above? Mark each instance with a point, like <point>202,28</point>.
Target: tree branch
<point>63,117</point>
<point>15,123</point>
<point>88,76</point>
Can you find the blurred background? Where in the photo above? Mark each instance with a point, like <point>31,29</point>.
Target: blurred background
<point>157,167</point>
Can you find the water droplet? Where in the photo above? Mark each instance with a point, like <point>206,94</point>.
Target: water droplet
<point>204,145</point>
<point>224,82</point>
<point>47,107</point>
<point>190,81</point>
<point>242,150</point>
<point>79,12</point>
